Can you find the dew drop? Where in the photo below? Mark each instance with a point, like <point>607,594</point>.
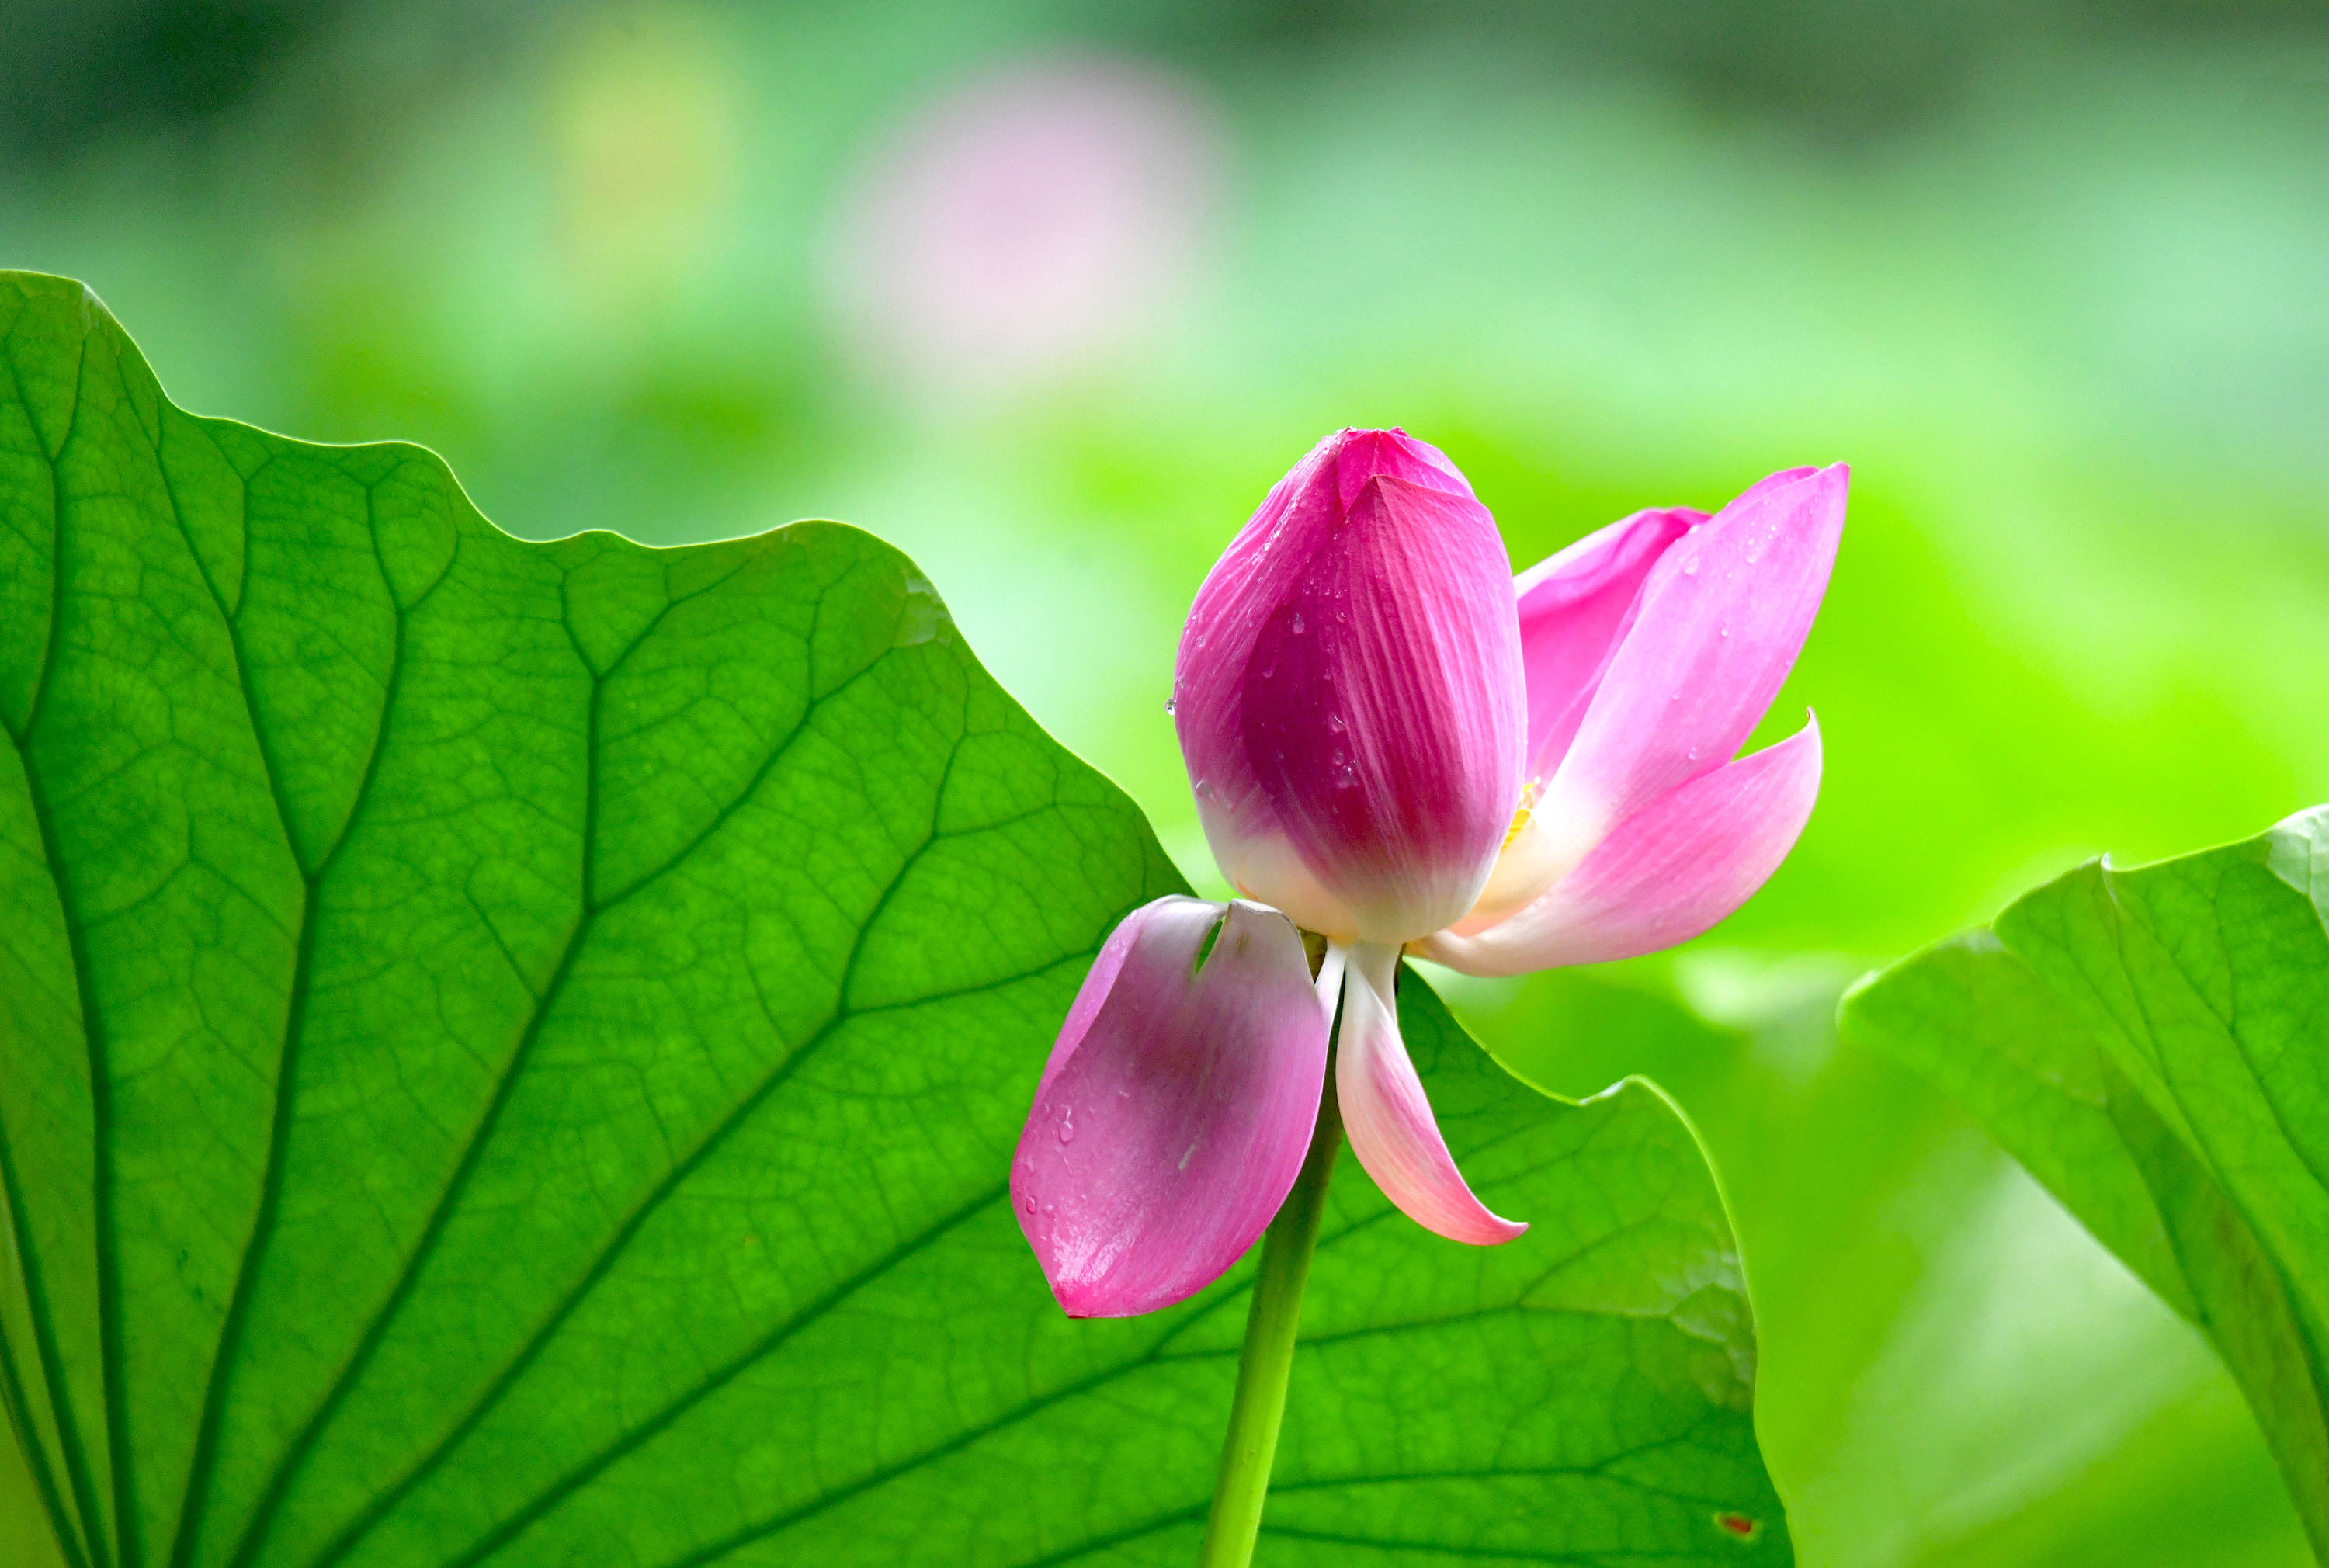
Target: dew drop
<point>1172,703</point>
<point>1028,1205</point>
<point>1690,568</point>
<point>1346,777</point>
<point>1067,1124</point>
<point>1299,627</point>
<point>1341,616</point>
<point>1334,722</point>
<point>1051,1208</point>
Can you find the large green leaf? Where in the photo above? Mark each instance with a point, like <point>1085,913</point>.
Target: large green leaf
<point>512,1052</point>
<point>2154,1046</point>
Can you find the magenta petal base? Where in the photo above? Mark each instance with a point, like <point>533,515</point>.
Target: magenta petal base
<point>1176,1108</point>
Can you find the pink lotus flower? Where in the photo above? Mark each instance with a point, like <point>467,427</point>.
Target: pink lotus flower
<point>1398,746</point>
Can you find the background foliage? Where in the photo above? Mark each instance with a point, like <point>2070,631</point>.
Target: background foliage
<point>2148,1043</point>
<point>2047,275</point>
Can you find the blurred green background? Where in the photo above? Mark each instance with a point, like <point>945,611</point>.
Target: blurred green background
<point>1049,295</point>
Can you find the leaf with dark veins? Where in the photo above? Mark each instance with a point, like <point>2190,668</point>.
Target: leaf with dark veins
<point>510,1053</point>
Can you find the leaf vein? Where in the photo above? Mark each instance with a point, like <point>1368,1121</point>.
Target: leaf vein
<point>107,1240</point>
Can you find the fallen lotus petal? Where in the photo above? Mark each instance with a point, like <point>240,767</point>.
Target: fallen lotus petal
<point>1176,1108</point>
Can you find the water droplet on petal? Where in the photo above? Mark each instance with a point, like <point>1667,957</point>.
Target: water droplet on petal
<point>1172,702</point>
<point>1334,722</point>
<point>1299,627</point>
<point>1028,1205</point>
<point>1690,568</point>
<point>1346,777</point>
<point>1067,1124</point>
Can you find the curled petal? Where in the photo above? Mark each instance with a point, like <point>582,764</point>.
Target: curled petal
<point>1388,1118</point>
<point>1665,874</point>
<point>1721,617</point>
<point>1176,1108</point>
<point>1349,694</point>
<point>1575,608</point>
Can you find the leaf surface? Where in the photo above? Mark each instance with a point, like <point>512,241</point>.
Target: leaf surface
<point>2153,1044</point>
<point>511,1053</point>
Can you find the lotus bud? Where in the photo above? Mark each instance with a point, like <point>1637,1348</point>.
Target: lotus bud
<point>1350,694</point>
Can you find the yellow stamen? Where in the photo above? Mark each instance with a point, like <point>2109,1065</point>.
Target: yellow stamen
<point>1529,793</point>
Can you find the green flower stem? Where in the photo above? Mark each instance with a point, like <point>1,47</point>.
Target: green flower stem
<point>1268,1353</point>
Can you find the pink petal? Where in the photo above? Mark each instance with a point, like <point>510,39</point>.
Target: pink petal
<point>1575,608</point>
<point>1176,1108</point>
<point>1665,875</point>
<point>1722,616</point>
<point>1349,693</point>
<point>1098,980</point>
<point>1387,1116</point>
